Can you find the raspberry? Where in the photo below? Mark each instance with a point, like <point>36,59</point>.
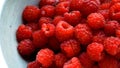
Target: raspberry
<point>54,44</point>
<point>95,51</point>
<point>62,8</point>
<point>114,11</point>
<point>96,20</point>
<point>118,32</point>
<point>99,37</point>
<point>23,32</point>
<point>111,45</point>
<point>46,2</point>
<point>57,19</point>
<point>110,27</point>
<point>31,13</point>
<point>108,62</point>
<point>48,29</point>
<point>105,13</point>
<point>39,39</point>
<point>76,4</point>
<point>33,25</point>
<point>70,48</point>
<point>47,11</point>
<point>60,59</point>
<point>26,48</point>
<point>83,34</point>
<point>45,20</point>
<point>73,63</point>
<point>73,18</point>
<point>33,64</point>
<point>64,31</point>
<point>45,57</point>
<point>85,60</point>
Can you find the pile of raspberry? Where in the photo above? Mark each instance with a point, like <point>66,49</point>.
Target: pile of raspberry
<point>70,34</point>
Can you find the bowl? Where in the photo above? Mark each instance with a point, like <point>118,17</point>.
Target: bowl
<point>9,21</point>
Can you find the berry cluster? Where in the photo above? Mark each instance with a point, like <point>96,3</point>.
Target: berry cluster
<point>71,34</point>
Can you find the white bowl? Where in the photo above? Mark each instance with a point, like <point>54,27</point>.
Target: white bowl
<point>9,22</point>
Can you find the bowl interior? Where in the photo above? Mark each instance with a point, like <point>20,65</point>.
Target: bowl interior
<point>9,22</point>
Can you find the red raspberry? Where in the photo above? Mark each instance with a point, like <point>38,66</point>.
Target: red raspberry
<point>23,32</point>
<point>54,44</point>
<point>73,18</point>
<point>57,19</point>
<point>33,25</point>
<point>76,4</point>
<point>118,32</point>
<point>99,37</point>
<point>62,8</point>
<point>33,64</point>
<point>114,11</point>
<point>70,48</point>
<point>31,13</point>
<point>48,29</point>
<point>105,13</point>
<point>96,20</point>
<point>83,34</point>
<point>60,59</point>
<point>110,27</point>
<point>45,57</point>
<point>108,62</point>
<point>111,45</point>
<point>26,48</point>
<point>45,20</point>
<point>46,2</point>
<point>47,11</point>
<point>64,31</point>
<point>85,60</point>
<point>39,39</point>
<point>73,63</point>
<point>95,51</point>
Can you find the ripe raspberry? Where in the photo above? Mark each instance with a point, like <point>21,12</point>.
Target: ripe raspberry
<point>62,8</point>
<point>33,64</point>
<point>33,25</point>
<point>73,18</point>
<point>108,62</point>
<point>57,19</point>
<point>114,11</point>
<point>64,31</point>
<point>45,20</point>
<point>105,14</point>
<point>85,60</point>
<point>73,63</point>
<point>96,20</point>
<point>99,37</point>
<point>70,48</point>
<point>112,45</point>
<point>83,34</point>
<point>54,44</point>
<point>45,57</point>
<point>31,13</point>
<point>95,51</point>
<point>26,48</point>
<point>60,59</point>
<point>39,39</point>
<point>110,27</point>
<point>47,11</point>
<point>48,29</point>
<point>118,32</point>
<point>75,4</point>
<point>46,2</point>
<point>23,32</point>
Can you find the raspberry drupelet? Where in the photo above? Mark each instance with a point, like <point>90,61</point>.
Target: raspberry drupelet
<point>95,51</point>
<point>70,48</point>
<point>31,13</point>
<point>23,32</point>
<point>33,64</point>
<point>112,45</point>
<point>64,31</point>
<point>73,18</point>
<point>73,63</point>
<point>96,20</point>
<point>45,57</point>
